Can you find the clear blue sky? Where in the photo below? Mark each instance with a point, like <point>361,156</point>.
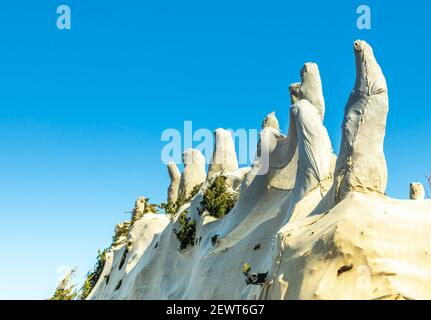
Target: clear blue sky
<point>82,111</point>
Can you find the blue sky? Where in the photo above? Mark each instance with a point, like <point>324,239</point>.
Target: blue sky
<point>82,110</point>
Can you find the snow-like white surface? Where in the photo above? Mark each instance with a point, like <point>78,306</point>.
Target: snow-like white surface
<point>321,226</point>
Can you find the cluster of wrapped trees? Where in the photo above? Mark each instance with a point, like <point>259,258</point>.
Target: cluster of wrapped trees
<point>309,224</point>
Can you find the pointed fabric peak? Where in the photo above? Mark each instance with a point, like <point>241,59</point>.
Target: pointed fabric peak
<point>361,164</point>
<point>294,91</point>
<point>174,175</point>
<point>194,172</point>
<point>311,87</point>
<point>314,151</point>
<point>369,76</point>
<point>224,155</point>
<point>417,191</point>
<point>270,121</point>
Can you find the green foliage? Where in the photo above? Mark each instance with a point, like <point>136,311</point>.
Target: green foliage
<point>195,191</point>
<point>120,237</point>
<point>246,268</point>
<point>66,290</point>
<point>187,233</point>
<point>86,288</point>
<point>148,208</point>
<point>121,233</point>
<point>217,199</point>
<point>93,276</point>
<point>171,208</point>
<point>182,199</point>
